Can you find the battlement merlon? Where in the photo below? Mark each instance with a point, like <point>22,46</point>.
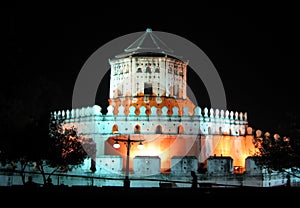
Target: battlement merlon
<point>208,121</point>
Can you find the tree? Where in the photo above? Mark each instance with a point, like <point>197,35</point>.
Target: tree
<point>276,152</point>
<point>67,149</point>
<point>49,144</point>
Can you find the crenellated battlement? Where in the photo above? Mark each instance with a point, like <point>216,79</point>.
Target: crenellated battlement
<point>96,110</point>
<point>206,121</point>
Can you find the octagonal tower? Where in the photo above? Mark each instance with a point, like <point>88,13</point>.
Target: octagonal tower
<point>148,74</point>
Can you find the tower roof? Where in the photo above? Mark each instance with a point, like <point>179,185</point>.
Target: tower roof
<point>147,43</point>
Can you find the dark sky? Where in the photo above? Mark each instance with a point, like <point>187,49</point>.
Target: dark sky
<point>254,51</point>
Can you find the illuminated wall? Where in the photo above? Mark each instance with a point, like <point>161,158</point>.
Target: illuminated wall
<point>165,136</point>
<point>163,146</point>
<point>236,147</point>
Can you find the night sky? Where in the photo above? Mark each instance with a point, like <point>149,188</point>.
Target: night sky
<point>255,52</point>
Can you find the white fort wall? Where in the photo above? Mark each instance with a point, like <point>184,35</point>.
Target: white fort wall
<point>200,134</point>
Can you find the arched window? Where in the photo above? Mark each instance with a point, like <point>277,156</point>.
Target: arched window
<point>158,129</point>
<point>220,130</point>
<point>115,129</point>
<point>157,70</point>
<point>180,129</point>
<point>139,70</point>
<point>148,69</point>
<point>137,129</point>
<point>209,131</point>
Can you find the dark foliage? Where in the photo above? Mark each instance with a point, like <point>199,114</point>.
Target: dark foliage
<point>276,152</point>
<point>67,149</point>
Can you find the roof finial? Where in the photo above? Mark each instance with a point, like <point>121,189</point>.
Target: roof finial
<point>149,30</point>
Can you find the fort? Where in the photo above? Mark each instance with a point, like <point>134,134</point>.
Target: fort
<point>149,106</point>
<point>148,102</point>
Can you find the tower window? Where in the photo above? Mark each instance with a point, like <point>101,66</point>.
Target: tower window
<point>137,87</point>
<point>176,90</point>
<point>148,69</point>
<point>148,88</point>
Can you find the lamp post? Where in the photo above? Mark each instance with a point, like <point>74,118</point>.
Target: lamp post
<point>117,145</point>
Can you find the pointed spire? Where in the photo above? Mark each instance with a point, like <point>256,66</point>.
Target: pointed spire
<point>148,42</point>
